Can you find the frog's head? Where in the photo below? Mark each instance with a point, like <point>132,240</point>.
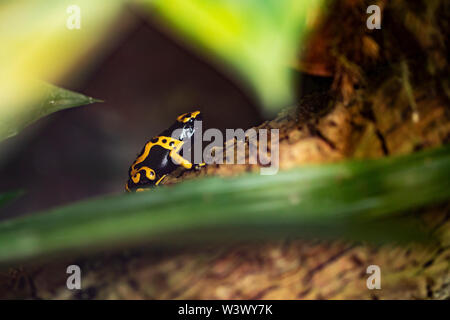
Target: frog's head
<point>190,117</point>
<point>183,129</point>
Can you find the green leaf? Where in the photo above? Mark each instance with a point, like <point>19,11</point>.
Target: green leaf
<point>359,200</point>
<point>52,99</point>
<point>252,40</point>
<point>6,197</point>
<point>37,45</point>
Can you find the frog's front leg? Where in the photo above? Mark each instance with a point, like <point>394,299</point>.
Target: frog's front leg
<point>199,166</point>
<point>178,159</point>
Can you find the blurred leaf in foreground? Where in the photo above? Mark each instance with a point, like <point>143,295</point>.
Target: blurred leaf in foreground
<point>357,200</point>
<point>257,39</point>
<point>52,99</point>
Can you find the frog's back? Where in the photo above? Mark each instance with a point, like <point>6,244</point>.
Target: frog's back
<point>152,163</point>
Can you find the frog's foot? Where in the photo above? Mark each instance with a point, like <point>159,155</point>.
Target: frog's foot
<point>199,166</point>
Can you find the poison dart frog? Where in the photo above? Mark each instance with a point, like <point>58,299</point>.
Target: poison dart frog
<point>160,156</point>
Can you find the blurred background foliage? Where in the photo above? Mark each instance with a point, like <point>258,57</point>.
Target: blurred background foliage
<point>256,39</point>
<point>37,46</point>
<point>117,39</point>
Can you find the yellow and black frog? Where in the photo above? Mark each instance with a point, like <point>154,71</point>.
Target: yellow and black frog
<point>160,156</point>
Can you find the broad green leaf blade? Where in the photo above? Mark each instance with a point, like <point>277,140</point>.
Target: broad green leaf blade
<point>358,200</point>
<point>255,40</point>
<point>6,197</point>
<point>52,99</point>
